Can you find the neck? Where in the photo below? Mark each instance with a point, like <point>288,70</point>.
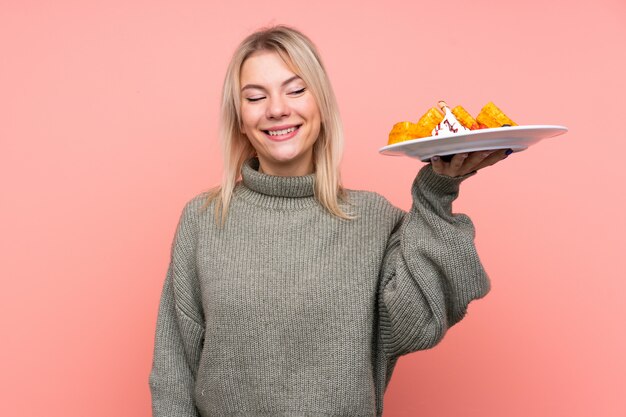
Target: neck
<point>276,191</point>
<point>294,168</point>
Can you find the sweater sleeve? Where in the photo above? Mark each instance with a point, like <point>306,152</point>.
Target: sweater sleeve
<point>179,330</point>
<point>431,270</point>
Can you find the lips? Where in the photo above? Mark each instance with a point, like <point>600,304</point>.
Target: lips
<point>279,133</point>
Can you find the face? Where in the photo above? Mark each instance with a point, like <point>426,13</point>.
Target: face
<point>279,115</point>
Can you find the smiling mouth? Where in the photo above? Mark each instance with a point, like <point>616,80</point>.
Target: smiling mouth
<point>282,132</point>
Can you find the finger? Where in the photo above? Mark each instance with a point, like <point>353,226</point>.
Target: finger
<point>474,159</point>
<point>454,167</point>
<point>438,164</point>
<point>494,158</point>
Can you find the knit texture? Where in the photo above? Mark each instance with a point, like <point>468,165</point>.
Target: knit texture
<point>289,311</point>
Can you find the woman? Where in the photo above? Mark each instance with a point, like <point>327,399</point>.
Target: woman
<point>286,294</point>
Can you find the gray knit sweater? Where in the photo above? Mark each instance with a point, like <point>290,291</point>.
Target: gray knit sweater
<point>287,311</point>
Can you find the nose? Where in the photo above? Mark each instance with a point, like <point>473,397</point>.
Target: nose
<point>277,107</point>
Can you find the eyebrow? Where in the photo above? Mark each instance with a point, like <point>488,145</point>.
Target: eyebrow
<point>260,87</point>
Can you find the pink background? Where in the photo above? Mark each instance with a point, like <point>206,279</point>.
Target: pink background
<point>108,126</point>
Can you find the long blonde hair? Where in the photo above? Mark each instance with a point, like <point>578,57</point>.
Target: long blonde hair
<point>300,54</point>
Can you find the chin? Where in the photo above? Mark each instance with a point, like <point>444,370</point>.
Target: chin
<point>286,155</point>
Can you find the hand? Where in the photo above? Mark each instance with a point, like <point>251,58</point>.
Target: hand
<point>464,163</point>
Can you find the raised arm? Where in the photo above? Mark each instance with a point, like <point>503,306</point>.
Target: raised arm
<point>431,270</point>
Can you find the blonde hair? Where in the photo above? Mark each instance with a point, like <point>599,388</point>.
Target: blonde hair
<point>300,54</point>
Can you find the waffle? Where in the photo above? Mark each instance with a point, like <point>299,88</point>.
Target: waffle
<point>465,118</point>
<point>492,116</point>
<point>428,121</point>
<point>403,131</point>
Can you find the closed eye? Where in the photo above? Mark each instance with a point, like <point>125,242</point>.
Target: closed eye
<point>253,99</point>
<point>298,92</point>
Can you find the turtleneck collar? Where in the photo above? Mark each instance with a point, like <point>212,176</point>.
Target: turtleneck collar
<point>276,191</point>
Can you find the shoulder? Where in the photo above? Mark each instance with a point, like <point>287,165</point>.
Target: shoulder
<point>199,204</point>
<point>372,203</point>
<point>193,212</point>
<point>368,198</point>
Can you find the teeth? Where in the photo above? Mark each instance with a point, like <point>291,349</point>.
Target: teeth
<point>281,132</point>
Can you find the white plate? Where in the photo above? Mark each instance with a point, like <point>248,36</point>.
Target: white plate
<point>516,138</point>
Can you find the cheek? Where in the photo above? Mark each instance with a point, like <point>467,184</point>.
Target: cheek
<point>316,117</point>
<point>249,118</point>
<point>311,112</point>
<point>316,121</point>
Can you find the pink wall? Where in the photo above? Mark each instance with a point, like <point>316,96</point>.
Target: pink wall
<point>108,126</point>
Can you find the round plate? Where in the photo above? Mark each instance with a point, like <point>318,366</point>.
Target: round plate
<point>516,138</point>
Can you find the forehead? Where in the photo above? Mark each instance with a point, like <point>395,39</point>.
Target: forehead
<point>265,68</point>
